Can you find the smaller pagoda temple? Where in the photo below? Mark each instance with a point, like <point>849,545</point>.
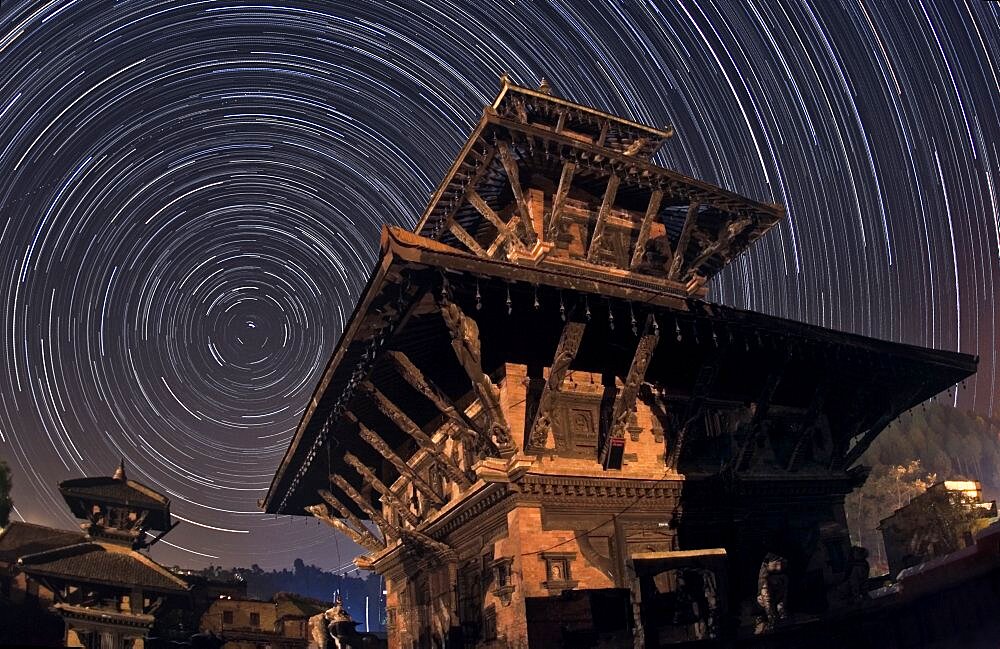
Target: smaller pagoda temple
<point>106,591</point>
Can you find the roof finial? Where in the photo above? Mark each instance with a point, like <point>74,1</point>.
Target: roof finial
<point>544,86</point>
<point>120,471</point>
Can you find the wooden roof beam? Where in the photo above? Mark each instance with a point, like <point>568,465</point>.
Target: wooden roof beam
<point>652,209</point>
<point>408,426</point>
<point>369,476</point>
<point>682,241</point>
<point>419,382</point>
<point>559,200</point>
<point>566,349</point>
<point>372,439</point>
<point>702,384</point>
<point>857,450</point>
<point>602,217</point>
<point>603,136</point>
<point>490,215</point>
<point>465,238</point>
<point>727,233</point>
<point>362,502</point>
<point>345,512</point>
<point>362,537</point>
<point>528,235</point>
<point>762,405</point>
<point>808,428</point>
<point>614,442</point>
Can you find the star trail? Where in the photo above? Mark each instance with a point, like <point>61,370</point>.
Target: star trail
<point>191,194</point>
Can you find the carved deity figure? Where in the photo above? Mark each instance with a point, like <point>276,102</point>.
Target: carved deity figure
<point>772,592</point>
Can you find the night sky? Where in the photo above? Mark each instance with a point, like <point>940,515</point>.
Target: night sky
<point>191,194</point>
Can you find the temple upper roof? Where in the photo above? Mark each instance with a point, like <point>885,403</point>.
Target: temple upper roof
<point>546,181</point>
<point>117,490</point>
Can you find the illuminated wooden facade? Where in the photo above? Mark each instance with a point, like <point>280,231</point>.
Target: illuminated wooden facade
<point>538,412</point>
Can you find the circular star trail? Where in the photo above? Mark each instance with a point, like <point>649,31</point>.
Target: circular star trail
<point>191,194</point>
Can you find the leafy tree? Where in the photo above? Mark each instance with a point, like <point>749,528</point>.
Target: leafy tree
<point>926,444</point>
<point>940,521</point>
<point>888,488</point>
<point>6,502</point>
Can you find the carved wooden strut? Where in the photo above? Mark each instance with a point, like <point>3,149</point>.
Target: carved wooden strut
<point>465,342</point>
<point>401,508</point>
<point>625,401</point>
<point>408,426</point>
<point>372,439</point>
<point>569,344</point>
<point>362,537</point>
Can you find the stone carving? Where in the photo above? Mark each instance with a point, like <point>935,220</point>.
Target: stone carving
<point>334,629</point>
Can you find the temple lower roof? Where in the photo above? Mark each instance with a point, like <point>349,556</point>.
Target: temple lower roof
<point>869,380</point>
<point>102,564</point>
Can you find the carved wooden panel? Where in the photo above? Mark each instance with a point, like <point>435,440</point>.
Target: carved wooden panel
<point>578,423</point>
<point>646,535</point>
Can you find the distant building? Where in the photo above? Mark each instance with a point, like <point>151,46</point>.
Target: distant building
<point>916,532</point>
<point>279,623</point>
<point>542,433</point>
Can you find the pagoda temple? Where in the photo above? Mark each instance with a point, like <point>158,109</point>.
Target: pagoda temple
<point>106,592</point>
<point>543,435</point>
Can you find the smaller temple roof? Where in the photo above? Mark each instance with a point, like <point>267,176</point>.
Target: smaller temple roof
<point>104,564</point>
<point>81,493</point>
<point>615,132</point>
<point>19,539</point>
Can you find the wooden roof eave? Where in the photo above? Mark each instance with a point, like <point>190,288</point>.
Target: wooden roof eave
<point>708,194</point>
<point>422,250</point>
<point>371,290</point>
<point>452,171</point>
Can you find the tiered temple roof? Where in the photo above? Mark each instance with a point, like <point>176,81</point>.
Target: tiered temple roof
<point>103,564</point>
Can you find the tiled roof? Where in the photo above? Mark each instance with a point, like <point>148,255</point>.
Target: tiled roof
<point>19,539</point>
<point>98,563</point>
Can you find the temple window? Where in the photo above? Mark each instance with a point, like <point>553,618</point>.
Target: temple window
<point>557,570</point>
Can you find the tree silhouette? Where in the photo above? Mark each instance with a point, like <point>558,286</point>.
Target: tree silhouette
<point>6,502</point>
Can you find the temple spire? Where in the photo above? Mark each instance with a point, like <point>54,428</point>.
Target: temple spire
<point>120,471</point>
